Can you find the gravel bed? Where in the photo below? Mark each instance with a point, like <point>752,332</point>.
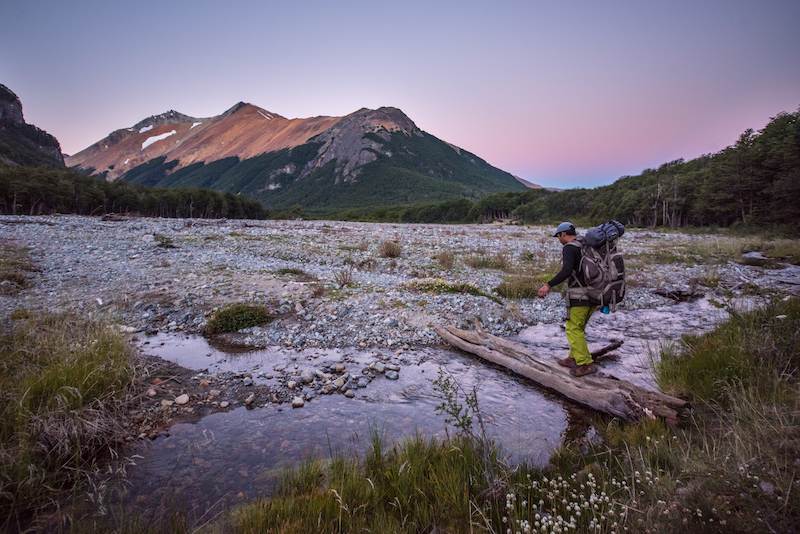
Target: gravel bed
<point>169,275</point>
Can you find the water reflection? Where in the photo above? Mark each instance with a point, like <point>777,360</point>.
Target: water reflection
<point>228,457</point>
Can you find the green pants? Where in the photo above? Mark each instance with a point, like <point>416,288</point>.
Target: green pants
<point>576,333</point>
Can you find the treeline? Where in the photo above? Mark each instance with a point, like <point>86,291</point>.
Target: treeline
<point>42,191</point>
<point>754,182</point>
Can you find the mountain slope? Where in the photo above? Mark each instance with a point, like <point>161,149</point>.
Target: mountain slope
<point>21,143</point>
<point>370,157</point>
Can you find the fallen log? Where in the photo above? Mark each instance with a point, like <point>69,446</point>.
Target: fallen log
<point>601,392</point>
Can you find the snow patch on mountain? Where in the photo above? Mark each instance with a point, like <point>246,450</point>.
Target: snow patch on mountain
<point>156,138</point>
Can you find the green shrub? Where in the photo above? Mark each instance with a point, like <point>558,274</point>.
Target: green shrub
<point>234,317</point>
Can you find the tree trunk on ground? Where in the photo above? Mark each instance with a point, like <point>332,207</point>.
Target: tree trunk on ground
<point>604,393</point>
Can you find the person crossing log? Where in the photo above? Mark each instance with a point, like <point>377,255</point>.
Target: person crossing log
<point>604,393</point>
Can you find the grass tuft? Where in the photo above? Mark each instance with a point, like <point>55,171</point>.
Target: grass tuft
<point>437,285</point>
<point>15,268</point>
<point>234,317</point>
<point>61,379</point>
<point>755,348</point>
<point>389,249</point>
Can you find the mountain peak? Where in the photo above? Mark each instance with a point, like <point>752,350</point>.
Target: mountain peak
<point>164,119</point>
<point>10,106</point>
<point>22,143</point>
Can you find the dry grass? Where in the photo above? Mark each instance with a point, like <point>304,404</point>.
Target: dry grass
<point>343,277</point>
<point>389,249</point>
<point>446,259</point>
<point>62,379</point>
<point>15,268</point>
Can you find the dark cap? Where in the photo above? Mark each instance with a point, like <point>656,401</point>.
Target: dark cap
<point>564,227</point>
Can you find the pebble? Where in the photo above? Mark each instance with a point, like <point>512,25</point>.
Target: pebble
<point>298,402</point>
<point>182,399</point>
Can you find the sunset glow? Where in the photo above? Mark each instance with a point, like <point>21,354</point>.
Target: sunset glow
<point>563,94</point>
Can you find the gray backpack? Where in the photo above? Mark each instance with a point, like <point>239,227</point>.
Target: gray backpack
<point>602,266</point>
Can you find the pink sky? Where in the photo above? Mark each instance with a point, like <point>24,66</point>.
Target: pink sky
<point>564,94</point>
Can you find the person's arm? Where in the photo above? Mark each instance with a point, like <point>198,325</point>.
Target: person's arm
<point>570,256</point>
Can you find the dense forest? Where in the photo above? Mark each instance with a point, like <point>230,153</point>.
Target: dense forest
<point>755,182</point>
<point>41,190</point>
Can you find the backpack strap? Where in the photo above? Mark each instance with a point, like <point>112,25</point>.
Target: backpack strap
<point>577,242</point>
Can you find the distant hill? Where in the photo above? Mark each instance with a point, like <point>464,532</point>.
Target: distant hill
<point>21,143</point>
<point>368,158</point>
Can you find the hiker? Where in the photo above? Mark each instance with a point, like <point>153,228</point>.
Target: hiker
<point>579,360</point>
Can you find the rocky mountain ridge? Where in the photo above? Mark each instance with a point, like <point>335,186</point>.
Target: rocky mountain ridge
<point>380,155</point>
<point>22,143</point>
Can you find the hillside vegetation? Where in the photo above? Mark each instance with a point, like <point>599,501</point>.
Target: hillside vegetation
<point>408,170</point>
<point>40,190</point>
<point>754,182</point>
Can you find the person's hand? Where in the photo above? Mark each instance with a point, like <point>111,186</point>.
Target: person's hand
<point>543,291</point>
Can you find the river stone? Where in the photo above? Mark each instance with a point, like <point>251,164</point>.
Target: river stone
<point>339,367</point>
<point>247,381</point>
<point>306,377</point>
<point>392,367</point>
<point>766,487</point>
<point>362,382</point>
<point>291,384</point>
<point>339,382</point>
<point>298,402</point>
<point>350,393</point>
<point>249,400</point>
<point>380,367</point>
<point>392,375</point>
<point>183,399</point>
<point>224,404</point>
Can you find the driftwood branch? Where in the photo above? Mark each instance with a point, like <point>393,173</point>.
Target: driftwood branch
<point>607,394</point>
<point>26,221</point>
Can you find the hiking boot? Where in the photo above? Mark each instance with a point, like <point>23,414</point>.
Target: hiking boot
<point>568,362</point>
<point>583,370</point>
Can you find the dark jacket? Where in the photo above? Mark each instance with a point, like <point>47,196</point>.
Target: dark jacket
<point>571,253</point>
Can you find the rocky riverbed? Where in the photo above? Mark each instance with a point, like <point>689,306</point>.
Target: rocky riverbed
<point>331,287</point>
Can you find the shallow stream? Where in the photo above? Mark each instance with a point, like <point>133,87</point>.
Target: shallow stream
<point>239,455</point>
